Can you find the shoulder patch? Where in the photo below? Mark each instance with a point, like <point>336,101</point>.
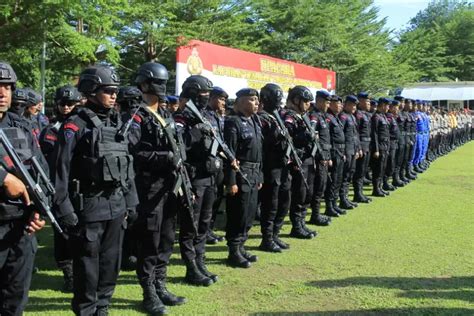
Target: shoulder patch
<point>137,118</point>
<point>51,137</point>
<point>289,119</point>
<point>71,126</point>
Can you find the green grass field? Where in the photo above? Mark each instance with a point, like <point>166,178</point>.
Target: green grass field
<point>409,253</point>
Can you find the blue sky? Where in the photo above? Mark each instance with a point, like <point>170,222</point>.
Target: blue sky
<point>399,12</point>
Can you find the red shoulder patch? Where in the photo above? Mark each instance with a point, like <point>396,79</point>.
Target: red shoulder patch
<point>8,161</point>
<point>71,126</point>
<point>137,118</point>
<point>51,137</point>
<point>289,119</point>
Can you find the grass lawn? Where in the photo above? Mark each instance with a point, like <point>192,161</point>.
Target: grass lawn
<point>409,253</point>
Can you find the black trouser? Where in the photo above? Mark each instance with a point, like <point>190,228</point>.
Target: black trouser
<point>408,154</point>
<point>391,159</point>
<point>242,207</point>
<point>274,204</point>
<point>378,166</point>
<point>62,251</point>
<point>319,184</point>
<point>96,263</point>
<point>155,228</point>
<point>17,254</point>
<point>192,243</point>
<point>347,174</point>
<point>299,192</point>
<point>334,177</point>
<point>400,152</point>
<point>361,168</point>
<point>219,197</point>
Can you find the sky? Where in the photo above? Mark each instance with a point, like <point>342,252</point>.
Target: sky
<point>399,12</point>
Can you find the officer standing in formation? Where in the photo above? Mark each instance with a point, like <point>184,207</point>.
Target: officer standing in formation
<point>18,225</point>
<point>148,165</point>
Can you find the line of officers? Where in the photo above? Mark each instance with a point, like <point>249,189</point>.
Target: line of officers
<point>122,159</point>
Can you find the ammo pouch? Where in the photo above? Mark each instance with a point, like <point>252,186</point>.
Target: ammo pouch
<point>213,165</point>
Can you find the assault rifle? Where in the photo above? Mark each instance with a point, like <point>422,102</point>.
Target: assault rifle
<point>39,197</point>
<point>216,138</point>
<point>291,153</point>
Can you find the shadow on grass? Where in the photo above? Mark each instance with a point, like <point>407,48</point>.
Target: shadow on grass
<point>454,288</point>
<point>381,311</point>
<point>42,304</point>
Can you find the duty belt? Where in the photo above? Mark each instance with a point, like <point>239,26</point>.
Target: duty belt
<point>365,139</point>
<point>326,146</point>
<point>339,146</point>
<point>404,133</point>
<point>249,164</point>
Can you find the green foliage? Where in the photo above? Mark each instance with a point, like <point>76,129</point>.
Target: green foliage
<point>346,36</point>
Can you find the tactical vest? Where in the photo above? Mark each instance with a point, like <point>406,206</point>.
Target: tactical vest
<point>108,163</point>
<point>11,209</point>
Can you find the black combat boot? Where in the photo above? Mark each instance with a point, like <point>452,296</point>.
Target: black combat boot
<point>151,302</point>
<point>317,218</point>
<point>102,311</point>
<point>276,238</point>
<point>359,195</point>
<point>297,231</point>
<point>387,186</point>
<point>396,181</point>
<point>201,264</point>
<point>268,244</point>
<point>166,296</point>
<point>376,190</point>
<point>66,267</point>
<point>194,276</point>
<point>247,255</point>
<point>330,209</point>
<point>344,203</point>
<point>339,210</point>
<point>306,228</point>
<point>235,258</point>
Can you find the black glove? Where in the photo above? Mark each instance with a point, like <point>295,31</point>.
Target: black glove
<point>132,216</point>
<point>68,221</point>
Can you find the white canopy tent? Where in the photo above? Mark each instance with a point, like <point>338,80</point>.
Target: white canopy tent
<point>459,91</point>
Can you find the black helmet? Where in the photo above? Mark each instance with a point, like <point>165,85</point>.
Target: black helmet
<point>154,76</point>
<point>129,93</point>
<point>67,93</point>
<point>271,95</point>
<point>20,96</point>
<point>195,84</point>
<point>300,92</point>
<point>32,97</point>
<point>7,74</point>
<point>92,78</point>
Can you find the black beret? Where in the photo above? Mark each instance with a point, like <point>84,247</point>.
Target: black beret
<point>374,103</point>
<point>247,92</point>
<point>399,98</point>
<point>363,95</point>
<point>395,103</point>
<point>323,94</point>
<point>218,91</point>
<point>352,98</point>
<point>383,100</point>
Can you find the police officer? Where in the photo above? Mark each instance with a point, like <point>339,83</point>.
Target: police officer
<point>274,201</point>
<point>19,100</point>
<point>410,128</point>
<point>92,205</point>
<point>394,144</point>
<point>205,164</point>
<point>362,164</point>
<point>243,135</point>
<point>215,114</point>
<point>338,146</point>
<point>298,104</point>
<point>17,248</point>
<point>66,99</point>
<point>353,149</point>
<point>156,165</point>
<point>380,146</point>
<point>323,158</point>
<point>129,98</point>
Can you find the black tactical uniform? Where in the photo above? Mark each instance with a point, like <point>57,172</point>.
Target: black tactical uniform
<point>320,124</point>
<point>17,249</point>
<point>48,139</point>
<point>156,165</point>
<point>274,200</point>
<point>362,164</point>
<point>304,141</point>
<point>399,179</point>
<point>36,125</point>
<point>244,138</point>
<point>204,163</point>
<point>99,198</point>
<point>392,153</point>
<point>352,142</point>
<point>380,143</point>
<point>338,147</point>
<point>410,128</point>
